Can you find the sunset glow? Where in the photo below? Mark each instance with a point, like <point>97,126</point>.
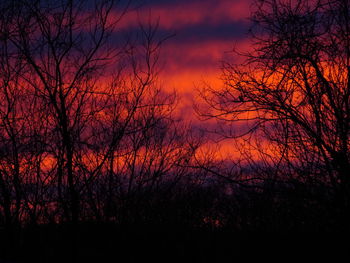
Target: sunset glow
<point>203,34</point>
<point>154,130</point>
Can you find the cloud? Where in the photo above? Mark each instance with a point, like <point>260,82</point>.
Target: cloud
<point>175,15</point>
<point>205,33</point>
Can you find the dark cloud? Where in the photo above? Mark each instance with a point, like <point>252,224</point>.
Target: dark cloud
<point>152,3</point>
<point>204,31</point>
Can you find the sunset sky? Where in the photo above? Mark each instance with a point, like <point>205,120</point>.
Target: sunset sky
<point>154,130</point>
<point>205,31</point>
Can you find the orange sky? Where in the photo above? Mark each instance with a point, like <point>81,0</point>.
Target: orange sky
<point>204,33</point>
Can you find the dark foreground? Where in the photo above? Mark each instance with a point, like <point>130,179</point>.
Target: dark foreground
<point>193,226</point>
<point>93,242</point>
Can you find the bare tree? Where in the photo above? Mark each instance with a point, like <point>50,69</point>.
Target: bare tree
<point>292,91</point>
<point>84,120</point>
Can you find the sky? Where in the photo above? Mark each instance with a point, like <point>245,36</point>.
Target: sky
<point>204,32</point>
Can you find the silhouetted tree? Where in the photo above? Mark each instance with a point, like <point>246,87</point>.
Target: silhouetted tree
<point>86,131</point>
<point>292,92</point>
<point>85,126</point>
